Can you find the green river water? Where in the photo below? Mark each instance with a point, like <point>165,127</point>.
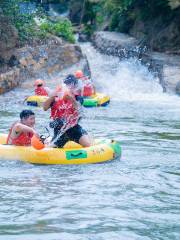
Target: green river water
<point>136,197</point>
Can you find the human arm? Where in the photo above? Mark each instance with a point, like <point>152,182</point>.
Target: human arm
<point>48,102</point>
<point>19,127</point>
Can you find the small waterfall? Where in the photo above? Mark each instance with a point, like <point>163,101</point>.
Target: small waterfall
<point>126,79</point>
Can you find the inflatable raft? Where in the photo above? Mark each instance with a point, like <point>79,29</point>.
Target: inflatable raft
<point>96,100</point>
<point>36,101</point>
<point>72,153</point>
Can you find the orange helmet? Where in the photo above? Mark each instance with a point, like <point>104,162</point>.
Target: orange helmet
<point>79,74</point>
<point>39,82</point>
<point>37,143</point>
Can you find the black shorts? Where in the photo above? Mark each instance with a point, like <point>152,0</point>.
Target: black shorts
<point>72,134</point>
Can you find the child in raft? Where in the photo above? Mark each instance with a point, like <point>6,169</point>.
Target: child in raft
<point>88,88</point>
<point>40,89</point>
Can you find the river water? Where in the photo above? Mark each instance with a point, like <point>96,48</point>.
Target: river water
<point>133,198</point>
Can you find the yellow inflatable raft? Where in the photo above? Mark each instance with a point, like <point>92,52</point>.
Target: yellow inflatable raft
<point>36,101</point>
<point>102,151</point>
<point>96,100</point>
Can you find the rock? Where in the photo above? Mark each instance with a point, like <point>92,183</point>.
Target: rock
<point>178,88</point>
<point>13,61</point>
<point>32,61</point>
<point>8,38</point>
<point>9,80</point>
<point>157,33</point>
<point>168,67</point>
<point>171,77</point>
<point>83,37</point>
<point>41,57</point>
<point>50,58</point>
<point>116,44</point>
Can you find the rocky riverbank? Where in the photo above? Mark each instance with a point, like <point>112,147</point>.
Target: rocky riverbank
<point>34,61</point>
<point>35,57</point>
<point>165,66</point>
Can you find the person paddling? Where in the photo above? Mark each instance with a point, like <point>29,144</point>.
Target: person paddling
<point>65,117</point>
<point>21,132</point>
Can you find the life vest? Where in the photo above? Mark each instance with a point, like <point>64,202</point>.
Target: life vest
<point>63,108</point>
<point>24,139</point>
<point>41,91</point>
<point>88,89</point>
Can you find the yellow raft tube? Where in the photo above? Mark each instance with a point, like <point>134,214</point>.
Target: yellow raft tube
<point>36,101</point>
<point>96,100</point>
<point>72,153</point>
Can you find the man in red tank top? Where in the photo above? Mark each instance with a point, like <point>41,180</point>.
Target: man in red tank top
<point>65,116</point>
<point>21,132</point>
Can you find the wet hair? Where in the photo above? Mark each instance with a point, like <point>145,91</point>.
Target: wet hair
<point>71,80</point>
<point>26,113</point>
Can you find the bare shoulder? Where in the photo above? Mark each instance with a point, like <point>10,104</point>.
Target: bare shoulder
<point>17,127</point>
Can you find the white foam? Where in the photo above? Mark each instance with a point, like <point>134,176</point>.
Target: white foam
<point>126,80</point>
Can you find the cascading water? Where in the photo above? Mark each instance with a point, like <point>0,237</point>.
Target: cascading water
<point>136,197</point>
<point>126,79</point>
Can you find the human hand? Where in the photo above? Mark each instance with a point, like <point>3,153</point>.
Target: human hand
<point>36,133</point>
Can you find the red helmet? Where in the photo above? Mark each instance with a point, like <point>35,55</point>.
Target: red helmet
<point>79,74</point>
<point>39,82</point>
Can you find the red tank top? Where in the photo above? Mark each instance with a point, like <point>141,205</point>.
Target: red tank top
<point>63,108</point>
<point>88,87</point>
<point>41,91</point>
<point>24,139</point>
<point>87,91</point>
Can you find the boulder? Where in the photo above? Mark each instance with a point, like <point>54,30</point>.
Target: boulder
<point>178,88</point>
<point>8,38</point>
<point>116,44</point>
<point>34,61</point>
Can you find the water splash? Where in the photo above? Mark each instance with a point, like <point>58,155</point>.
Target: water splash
<point>126,80</point>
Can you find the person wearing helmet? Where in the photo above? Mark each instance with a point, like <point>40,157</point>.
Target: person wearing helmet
<point>88,88</point>
<point>40,89</point>
<point>21,132</point>
<point>65,116</point>
<point>79,74</point>
<point>74,87</point>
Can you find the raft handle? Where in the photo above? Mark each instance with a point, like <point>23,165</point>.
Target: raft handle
<point>76,155</point>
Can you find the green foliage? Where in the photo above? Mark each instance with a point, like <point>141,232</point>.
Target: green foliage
<point>117,6</point>
<point>123,13</point>
<point>27,27</point>
<point>62,28</point>
<point>96,11</point>
<point>24,22</point>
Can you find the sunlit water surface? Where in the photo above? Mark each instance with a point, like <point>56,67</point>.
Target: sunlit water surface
<point>136,197</point>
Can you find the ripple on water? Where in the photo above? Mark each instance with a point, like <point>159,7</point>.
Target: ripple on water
<point>135,198</point>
